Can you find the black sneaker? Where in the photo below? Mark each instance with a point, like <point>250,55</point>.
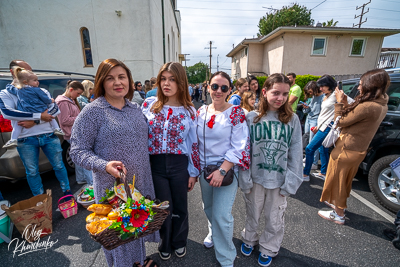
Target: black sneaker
<point>389,233</point>
<point>164,255</point>
<point>180,252</point>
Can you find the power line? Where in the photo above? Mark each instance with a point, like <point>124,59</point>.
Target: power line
<point>318,5</point>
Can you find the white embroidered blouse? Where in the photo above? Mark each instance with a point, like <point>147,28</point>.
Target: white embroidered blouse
<point>226,137</point>
<point>173,131</point>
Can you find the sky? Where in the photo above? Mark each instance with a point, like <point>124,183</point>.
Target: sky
<point>228,22</point>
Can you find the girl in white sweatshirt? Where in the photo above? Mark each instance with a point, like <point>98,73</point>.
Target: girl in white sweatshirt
<point>275,170</point>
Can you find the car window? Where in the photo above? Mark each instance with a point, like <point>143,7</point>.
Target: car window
<point>56,87</point>
<point>3,83</point>
<point>394,97</point>
<point>347,87</point>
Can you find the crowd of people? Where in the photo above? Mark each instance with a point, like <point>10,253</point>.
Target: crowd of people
<point>114,121</point>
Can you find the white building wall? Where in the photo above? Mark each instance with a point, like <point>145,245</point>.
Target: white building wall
<point>46,34</point>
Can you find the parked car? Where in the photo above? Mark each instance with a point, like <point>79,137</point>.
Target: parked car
<point>384,147</point>
<point>11,166</point>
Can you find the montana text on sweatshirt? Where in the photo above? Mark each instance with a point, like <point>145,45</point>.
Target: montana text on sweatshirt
<point>276,154</point>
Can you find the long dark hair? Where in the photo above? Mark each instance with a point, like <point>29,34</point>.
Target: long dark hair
<point>251,78</point>
<point>76,85</point>
<point>374,85</point>
<point>285,112</point>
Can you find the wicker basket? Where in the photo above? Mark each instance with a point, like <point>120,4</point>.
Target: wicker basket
<point>69,207</point>
<point>110,238</point>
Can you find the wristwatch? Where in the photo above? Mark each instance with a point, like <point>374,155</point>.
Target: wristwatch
<point>37,121</point>
<point>222,171</point>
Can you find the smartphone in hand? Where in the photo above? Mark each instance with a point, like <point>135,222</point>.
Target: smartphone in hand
<point>340,85</point>
<point>305,104</point>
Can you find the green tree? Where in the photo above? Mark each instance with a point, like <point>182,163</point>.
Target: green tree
<point>197,73</point>
<point>330,23</point>
<point>287,16</point>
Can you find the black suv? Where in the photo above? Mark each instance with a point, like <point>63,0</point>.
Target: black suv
<point>384,147</point>
<point>11,166</point>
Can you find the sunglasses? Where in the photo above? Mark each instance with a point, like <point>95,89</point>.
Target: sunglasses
<point>139,85</point>
<point>224,88</point>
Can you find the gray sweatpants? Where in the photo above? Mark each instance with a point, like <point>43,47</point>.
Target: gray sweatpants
<point>274,206</point>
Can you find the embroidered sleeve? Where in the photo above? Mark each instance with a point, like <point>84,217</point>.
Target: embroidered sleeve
<point>193,147</point>
<point>239,152</point>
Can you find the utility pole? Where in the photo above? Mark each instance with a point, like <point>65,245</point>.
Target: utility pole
<point>361,15</point>
<point>211,47</point>
<point>186,59</point>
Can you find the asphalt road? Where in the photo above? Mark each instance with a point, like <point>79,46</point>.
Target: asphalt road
<point>309,240</point>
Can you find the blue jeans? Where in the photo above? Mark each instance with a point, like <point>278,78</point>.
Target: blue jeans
<point>307,128</point>
<point>218,202</point>
<point>81,174</point>
<point>29,148</point>
<point>316,143</point>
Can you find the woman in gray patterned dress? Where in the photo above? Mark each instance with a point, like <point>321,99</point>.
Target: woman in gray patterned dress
<point>111,134</point>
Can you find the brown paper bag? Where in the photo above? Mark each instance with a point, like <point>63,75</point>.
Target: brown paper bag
<point>32,221</point>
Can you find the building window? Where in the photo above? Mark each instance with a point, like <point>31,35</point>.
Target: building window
<point>319,46</point>
<point>358,46</point>
<point>87,50</point>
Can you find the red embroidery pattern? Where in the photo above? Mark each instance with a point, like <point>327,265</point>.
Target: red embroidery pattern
<point>237,115</point>
<point>156,133</point>
<point>244,163</point>
<point>196,156</point>
<point>145,104</point>
<point>211,122</point>
<point>169,113</point>
<point>175,129</point>
<point>198,112</point>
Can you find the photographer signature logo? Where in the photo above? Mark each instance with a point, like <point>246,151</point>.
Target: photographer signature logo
<point>30,233</point>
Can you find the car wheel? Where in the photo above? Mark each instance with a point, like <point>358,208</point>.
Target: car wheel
<point>384,184</point>
<point>69,164</point>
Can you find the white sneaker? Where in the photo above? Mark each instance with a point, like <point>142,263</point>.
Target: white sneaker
<point>304,160</point>
<point>319,176</point>
<point>314,167</point>
<point>331,205</point>
<point>306,178</point>
<point>332,216</point>
<point>58,131</point>
<point>208,243</point>
<point>11,144</point>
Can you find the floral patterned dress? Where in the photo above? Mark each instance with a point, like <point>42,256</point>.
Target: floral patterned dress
<point>102,133</point>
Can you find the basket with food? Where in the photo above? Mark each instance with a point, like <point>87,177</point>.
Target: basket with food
<point>125,216</point>
<point>86,197</point>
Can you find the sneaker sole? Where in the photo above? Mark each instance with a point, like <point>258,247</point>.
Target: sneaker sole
<point>329,219</point>
<point>244,254</point>
<point>164,258</point>
<point>264,265</point>
<point>208,246</point>
<point>180,255</point>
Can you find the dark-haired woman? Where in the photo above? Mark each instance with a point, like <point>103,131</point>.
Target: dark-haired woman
<point>70,109</point>
<point>254,87</point>
<point>327,86</point>
<point>359,122</point>
<point>312,109</point>
<point>110,135</point>
<point>224,141</point>
<point>174,154</point>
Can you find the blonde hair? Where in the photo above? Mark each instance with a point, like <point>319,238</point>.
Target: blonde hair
<point>22,76</point>
<point>245,100</point>
<point>87,85</point>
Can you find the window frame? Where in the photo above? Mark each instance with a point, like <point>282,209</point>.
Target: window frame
<point>353,38</point>
<point>84,48</point>
<point>325,45</point>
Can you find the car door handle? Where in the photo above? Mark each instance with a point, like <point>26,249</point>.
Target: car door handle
<point>386,123</point>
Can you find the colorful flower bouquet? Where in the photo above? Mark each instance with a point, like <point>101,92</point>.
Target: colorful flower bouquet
<point>134,217</point>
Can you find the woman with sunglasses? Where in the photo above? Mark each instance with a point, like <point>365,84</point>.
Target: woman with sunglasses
<point>224,141</point>
<point>174,155</point>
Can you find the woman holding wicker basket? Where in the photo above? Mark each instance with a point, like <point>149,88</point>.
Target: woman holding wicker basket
<point>110,134</point>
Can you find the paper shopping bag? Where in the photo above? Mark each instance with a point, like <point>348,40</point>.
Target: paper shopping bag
<point>32,217</point>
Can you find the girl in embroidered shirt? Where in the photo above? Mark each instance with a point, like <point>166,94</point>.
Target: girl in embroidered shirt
<point>276,168</point>
<point>223,141</point>
<point>174,154</point>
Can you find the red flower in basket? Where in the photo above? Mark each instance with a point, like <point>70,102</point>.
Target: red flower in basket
<point>138,217</point>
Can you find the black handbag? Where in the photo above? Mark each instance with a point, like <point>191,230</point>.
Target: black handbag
<point>208,169</point>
